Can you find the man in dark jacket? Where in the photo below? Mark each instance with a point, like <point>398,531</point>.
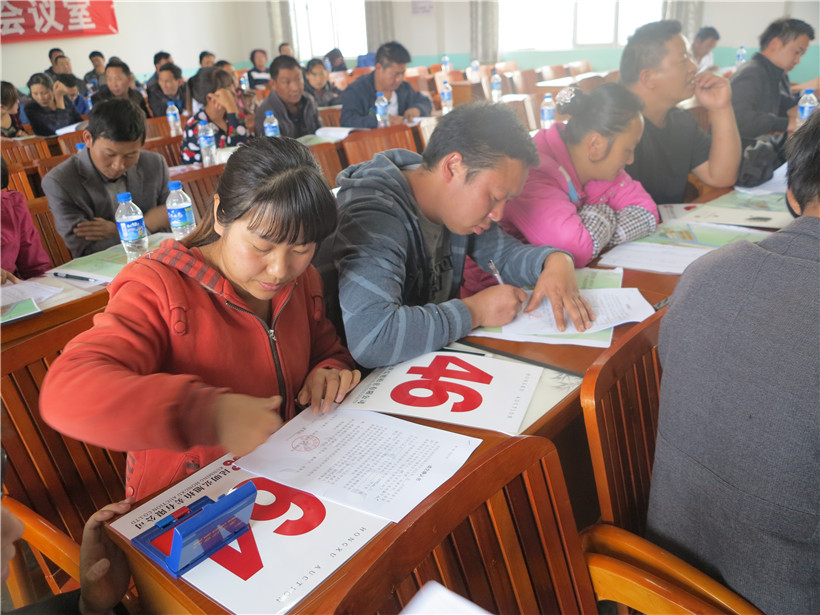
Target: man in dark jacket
<point>405,103</point>
<point>296,112</point>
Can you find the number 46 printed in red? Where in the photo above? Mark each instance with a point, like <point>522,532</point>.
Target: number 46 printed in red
<point>433,381</point>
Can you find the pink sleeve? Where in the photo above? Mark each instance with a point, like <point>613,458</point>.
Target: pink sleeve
<point>624,192</point>
<point>32,258</point>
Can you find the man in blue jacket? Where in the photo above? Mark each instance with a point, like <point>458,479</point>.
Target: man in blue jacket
<point>405,103</point>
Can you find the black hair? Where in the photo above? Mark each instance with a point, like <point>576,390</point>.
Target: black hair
<point>607,110</point>
<point>40,79</point>
<point>282,45</point>
<point>8,94</point>
<point>204,54</point>
<point>96,53</point>
<point>313,64</point>
<point>255,51</point>
<point>707,32</point>
<point>222,64</point>
<point>117,63</point>
<point>392,53</point>
<point>59,57</point>
<point>786,30</point>
<point>4,173</point>
<point>279,186</point>
<point>646,48</point>
<point>117,119</point>
<point>159,56</point>
<point>803,156</point>
<point>484,134</point>
<point>52,51</point>
<point>69,81</point>
<point>282,63</point>
<point>173,68</point>
<point>207,81</point>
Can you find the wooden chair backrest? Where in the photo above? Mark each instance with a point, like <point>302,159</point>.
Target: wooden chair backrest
<point>361,70</point>
<point>363,145</point>
<point>523,107</point>
<point>327,156</point>
<point>506,67</point>
<point>157,127</point>
<point>500,533</point>
<point>330,116</point>
<point>60,478</point>
<point>578,67</point>
<point>556,71</point>
<point>620,396</point>
<point>25,150</point>
<point>44,165</point>
<point>18,180</point>
<point>200,184</point>
<point>168,147</point>
<point>525,80</point>
<point>454,75</point>
<point>52,240</point>
<point>68,142</point>
<point>262,94</point>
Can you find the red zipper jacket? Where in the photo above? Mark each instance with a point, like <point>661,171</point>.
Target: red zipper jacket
<point>174,336</point>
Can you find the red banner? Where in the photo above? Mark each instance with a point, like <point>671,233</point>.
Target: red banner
<point>32,20</point>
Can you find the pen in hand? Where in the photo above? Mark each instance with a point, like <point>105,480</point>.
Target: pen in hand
<point>494,271</point>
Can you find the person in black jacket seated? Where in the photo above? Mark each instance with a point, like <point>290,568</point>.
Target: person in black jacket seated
<point>50,108</point>
<point>118,85</point>
<point>405,103</point>
<point>318,86</point>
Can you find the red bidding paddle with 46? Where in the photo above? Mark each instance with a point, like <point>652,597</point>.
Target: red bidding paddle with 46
<point>440,389</point>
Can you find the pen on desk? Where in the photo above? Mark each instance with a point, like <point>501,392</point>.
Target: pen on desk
<point>494,271</point>
<point>71,276</point>
<point>662,303</point>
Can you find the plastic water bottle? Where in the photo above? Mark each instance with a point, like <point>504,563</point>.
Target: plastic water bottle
<point>495,86</point>
<point>79,147</point>
<point>131,226</point>
<point>475,71</point>
<point>180,211</point>
<point>446,98</point>
<point>446,67</point>
<point>381,109</point>
<point>207,143</point>
<point>244,84</point>
<point>328,65</point>
<point>741,55</point>
<point>271,125</point>
<point>806,106</point>
<point>547,111</point>
<point>172,115</point>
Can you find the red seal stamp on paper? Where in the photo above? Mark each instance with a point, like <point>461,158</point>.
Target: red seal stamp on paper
<point>305,444</point>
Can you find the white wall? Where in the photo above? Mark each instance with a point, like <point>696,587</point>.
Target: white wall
<point>741,23</point>
<point>230,29</point>
<point>446,30</point>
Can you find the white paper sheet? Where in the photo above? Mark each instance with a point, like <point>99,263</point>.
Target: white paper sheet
<point>434,599</point>
<point>612,307</point>
<point>778,184</point>
<point>27,289</point>
<point>738,217</point>
<point>651,257</point>
<point>451,387</point>
<point>364,460</point>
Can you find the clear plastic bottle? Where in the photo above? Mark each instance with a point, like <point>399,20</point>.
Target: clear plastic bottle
<point>475,71</point>
<point>446,98</point>
<point>131,226</point>
<point>446,67</point>
<point>741,55</point>
<point>328,65</point>
<point>806,106</point>
<point>495,86</point>
<point>172,115</point>
<point>180,211</point>
<point>271,125</point>
<point>547,111</point>
<point>244,84</point>
<point>207,143</point>
<point>381,110</point>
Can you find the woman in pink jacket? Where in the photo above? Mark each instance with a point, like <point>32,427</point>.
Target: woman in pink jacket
<point>579,198</point>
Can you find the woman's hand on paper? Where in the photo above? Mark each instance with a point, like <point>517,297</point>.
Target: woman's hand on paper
<point>325,386</point>
<point>557,282</point>
<point>9,277</point>
<point>243,422</point>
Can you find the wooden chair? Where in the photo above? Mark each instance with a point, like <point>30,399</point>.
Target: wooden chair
<point>361,70</point>
<point>578,67</point>
<point>60,478</point>
<point>523,107</point>
<point>44,165</point>
<point>25,150</point>
<point>620,396</point>
<point>506,67</point>
<point>68,142</point>
<point>18,180</point>
<point>157,127</point>
<point>330,116</point>
<point>168,147</point>
<point>363,145</point>
<point>553,72</point>
<point>52,240</point>
<point>200,184</point>
<point>327,155</point>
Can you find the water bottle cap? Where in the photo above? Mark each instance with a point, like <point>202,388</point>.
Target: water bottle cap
<point>809,92</point>
<point>379,94</point>
<point>547,96</point>
<point>169,103</point>
<point>79,146</point>
<point>446,82</point>
<point>175,185</point>
<point>268,113</point>
<point>203,122</point>
<point>123,197</point>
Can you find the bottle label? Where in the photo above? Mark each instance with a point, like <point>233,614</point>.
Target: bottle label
<point>271,130</point>
<point>547,115</point>
<point>180,217</point>
<point>132,230</point>
<point>804,111</point>
<point>446,96</point>
<point>206,141</point>
<point>172,116</point>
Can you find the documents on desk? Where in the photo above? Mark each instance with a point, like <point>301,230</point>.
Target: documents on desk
<point>453,387</point>
<point>778,184</point>
<point>758,218</point>
<point>23,299</point>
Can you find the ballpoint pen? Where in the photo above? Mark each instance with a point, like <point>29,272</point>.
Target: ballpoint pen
<point>71,276</point>
<point>494,271</point>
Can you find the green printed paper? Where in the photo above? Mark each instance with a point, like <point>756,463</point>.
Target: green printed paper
<point>21,309</point>
<point>694,235</point>
<point>741,200</point>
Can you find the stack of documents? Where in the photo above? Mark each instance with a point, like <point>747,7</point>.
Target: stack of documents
<point>21,299</point>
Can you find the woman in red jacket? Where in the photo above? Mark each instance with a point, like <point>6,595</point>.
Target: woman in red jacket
<point>208,346</point>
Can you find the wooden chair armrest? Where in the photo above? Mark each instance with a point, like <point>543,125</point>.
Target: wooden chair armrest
<point>632,549</point>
